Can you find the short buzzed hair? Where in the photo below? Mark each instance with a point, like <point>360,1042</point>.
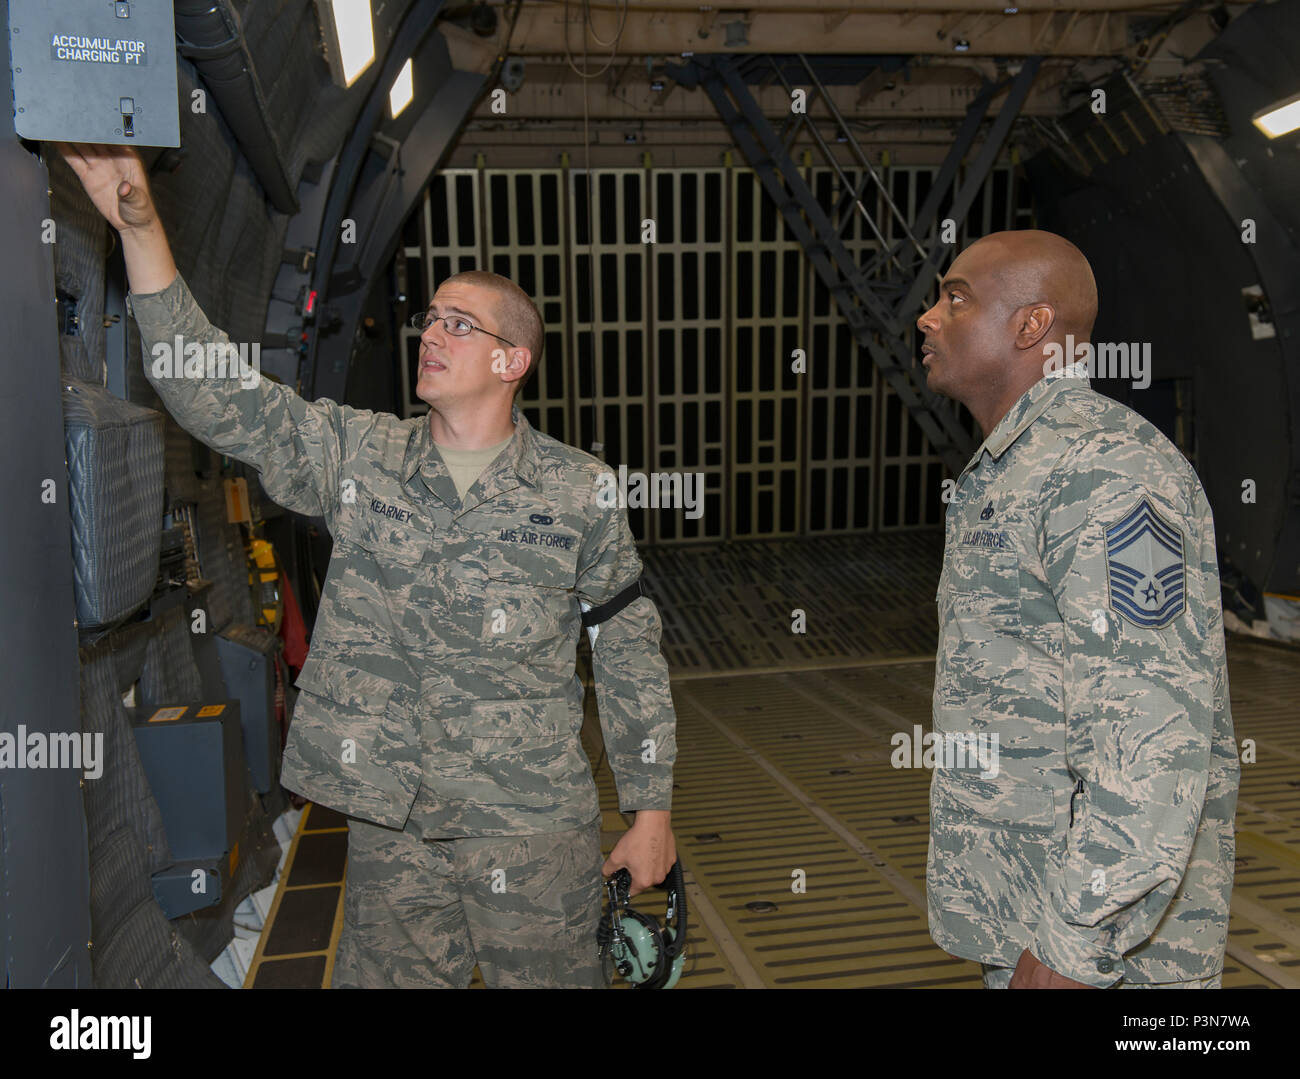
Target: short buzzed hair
<point>519,319</point>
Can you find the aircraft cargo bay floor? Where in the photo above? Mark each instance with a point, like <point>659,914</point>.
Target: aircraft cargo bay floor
<point>783,770</point>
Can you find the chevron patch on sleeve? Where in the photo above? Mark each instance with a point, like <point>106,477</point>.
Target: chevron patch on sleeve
<point>1145,568</point>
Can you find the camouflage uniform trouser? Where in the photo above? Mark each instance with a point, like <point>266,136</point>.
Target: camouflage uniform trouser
<point>419,913</point>
<point>1000,978</point>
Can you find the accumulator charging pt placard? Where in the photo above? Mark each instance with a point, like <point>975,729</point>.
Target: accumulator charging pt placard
<point>94,71</point>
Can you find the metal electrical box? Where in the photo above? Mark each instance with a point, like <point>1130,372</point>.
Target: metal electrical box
<point>247,657</point>
<point>194,763</point>
<point>95,71</point>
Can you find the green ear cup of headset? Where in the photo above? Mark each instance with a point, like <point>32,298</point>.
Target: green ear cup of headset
<point>635,944</point>
<point>638,951</point>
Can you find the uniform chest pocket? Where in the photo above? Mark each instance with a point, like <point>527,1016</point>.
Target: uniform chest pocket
<point>982,584</point>
<point>525,607</point>
<point>388,537</point>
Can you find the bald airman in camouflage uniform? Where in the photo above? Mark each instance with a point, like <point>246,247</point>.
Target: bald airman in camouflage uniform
<point>1081,622</point>
<point>439,705</point>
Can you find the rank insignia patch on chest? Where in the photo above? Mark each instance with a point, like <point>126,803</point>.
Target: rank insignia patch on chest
<point>1145,568</point>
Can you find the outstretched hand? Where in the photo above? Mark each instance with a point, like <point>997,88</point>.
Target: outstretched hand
<point>115,180</point>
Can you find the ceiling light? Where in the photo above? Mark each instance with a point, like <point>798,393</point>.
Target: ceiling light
<point>1279,118</point>
<point>349,38</point>
<point>403,90</point>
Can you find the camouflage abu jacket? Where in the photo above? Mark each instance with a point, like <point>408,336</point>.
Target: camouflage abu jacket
<point>1081,623</point>
<point>443,657</point>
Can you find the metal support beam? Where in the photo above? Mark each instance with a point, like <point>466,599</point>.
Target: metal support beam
<point>926,221</point>
<point>919,31</point>
<point>976,175</point>
<point>329,342</point>
<point>378,201</point>
<point>1275,258</point>
<point>878,320</point>
<point>870,318</point>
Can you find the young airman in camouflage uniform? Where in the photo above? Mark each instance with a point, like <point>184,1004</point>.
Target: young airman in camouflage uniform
<point>439,707</point>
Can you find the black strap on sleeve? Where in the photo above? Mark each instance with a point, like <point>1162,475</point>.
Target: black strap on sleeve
<point>606,611</point>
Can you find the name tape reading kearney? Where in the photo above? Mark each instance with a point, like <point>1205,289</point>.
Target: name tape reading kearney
<point>98,50</point>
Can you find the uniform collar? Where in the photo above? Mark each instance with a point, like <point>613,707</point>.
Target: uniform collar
<point>517,463</point>
<point>1028,407</point>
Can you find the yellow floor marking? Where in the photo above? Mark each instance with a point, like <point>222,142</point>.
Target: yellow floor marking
<point>280,891</point>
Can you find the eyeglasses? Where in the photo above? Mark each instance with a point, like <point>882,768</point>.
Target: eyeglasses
<point>457,325</point>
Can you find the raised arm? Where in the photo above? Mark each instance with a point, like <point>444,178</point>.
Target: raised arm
<point>206,383</point>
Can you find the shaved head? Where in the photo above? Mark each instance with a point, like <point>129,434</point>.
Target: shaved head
<point>1036,267</point>
<point>1005,298</point>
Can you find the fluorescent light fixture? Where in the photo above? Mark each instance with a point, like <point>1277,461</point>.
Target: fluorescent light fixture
<point>1279,119</point>
<point>403,90</point>
<point>349,38</point>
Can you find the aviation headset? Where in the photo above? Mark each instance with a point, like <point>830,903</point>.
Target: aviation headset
<point>648,955</point>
